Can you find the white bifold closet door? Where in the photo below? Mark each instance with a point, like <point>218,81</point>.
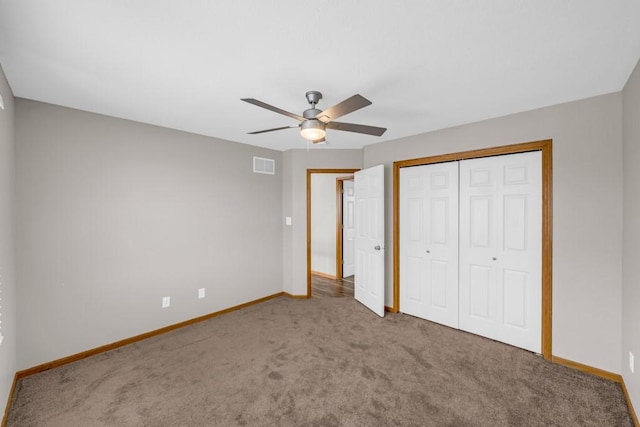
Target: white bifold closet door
<point>429,242</point>
<point>470,246</point>
<point>501,248</point>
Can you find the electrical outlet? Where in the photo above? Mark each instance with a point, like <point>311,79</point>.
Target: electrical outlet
<point>166,302</point>
<point>631,362</point>
<point>201,293</point>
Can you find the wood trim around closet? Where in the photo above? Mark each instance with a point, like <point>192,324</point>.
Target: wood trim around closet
<point>547,217</point>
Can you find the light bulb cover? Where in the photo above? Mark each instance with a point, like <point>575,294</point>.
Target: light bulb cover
<point>312,129</point>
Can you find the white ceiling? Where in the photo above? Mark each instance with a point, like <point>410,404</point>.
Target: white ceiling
<point>425,64</point>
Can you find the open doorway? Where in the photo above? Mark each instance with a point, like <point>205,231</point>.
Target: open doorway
<point>324,259</point>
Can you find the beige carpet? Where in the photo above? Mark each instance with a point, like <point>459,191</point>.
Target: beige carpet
<point>317,362</point>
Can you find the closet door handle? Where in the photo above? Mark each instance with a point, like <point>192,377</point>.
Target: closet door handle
<point>377,247</point>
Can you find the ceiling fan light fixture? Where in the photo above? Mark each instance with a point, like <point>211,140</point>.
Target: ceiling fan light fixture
<point>312,130</point>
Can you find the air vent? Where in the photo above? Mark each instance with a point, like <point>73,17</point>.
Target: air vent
<point>262,165</point>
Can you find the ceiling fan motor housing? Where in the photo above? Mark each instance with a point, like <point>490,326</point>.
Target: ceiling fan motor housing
<point>311,113</point>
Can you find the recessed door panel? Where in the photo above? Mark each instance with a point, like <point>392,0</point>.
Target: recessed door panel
<point>413,279</point>
<point>480,217</point>
<point>415,215</point>
<point>514,285</point>
<point>480,284</point>
<point>439,283</point>
<point>440,224</point>
<point>515,222</point>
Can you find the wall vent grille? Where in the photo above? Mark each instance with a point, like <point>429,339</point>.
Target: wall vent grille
<point>262,165</point>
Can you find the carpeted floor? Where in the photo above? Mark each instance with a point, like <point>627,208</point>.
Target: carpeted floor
<point>317,362</point>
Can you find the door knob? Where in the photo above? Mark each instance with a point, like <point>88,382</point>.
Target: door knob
<point>377,247</point>
<point>428,251</point>
<point>494,258</point>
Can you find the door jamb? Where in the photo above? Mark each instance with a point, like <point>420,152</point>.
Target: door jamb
<point>309,173</point>
<point>545,146</point>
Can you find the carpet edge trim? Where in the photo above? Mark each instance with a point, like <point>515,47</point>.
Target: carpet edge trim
<point>121,343</point>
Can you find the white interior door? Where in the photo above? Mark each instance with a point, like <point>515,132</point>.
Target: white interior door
<point>500,248</point>
<point>348,228</point>
<point>429,242</point>
<point>369,241</point>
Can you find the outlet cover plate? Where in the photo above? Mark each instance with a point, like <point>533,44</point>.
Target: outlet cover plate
<point>201,293</point>
<point>166,302</point>
<point>632,362</point>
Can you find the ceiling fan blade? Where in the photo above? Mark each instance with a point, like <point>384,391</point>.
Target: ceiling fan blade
<point>347,106</point>
<point>352,127</point>
<point>270,130</point>
<point>272,108</point>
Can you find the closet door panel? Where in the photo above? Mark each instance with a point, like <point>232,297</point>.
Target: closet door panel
<point>520,257</point>
<point>500,236</point>
<point>429,242</point>
<point>478,247</point>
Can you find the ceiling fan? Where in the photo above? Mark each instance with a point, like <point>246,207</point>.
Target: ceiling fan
<point>314,122</point>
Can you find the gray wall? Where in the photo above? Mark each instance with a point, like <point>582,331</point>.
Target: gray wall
<point>7,276</point>
<point>294,184</point>
<point>112,215</point>
<point>631,239</point>
<point>587,212</point>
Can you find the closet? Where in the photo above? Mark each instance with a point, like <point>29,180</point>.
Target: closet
<point>470,246</point>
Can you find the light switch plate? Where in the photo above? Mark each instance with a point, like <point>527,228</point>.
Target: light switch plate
<point>287,220</point>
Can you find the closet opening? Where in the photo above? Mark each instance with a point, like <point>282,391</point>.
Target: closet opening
<point>546,221</point>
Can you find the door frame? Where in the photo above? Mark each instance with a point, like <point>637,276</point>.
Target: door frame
<point>309,173</point>
<point>545,146</point>
<point>339,224</point>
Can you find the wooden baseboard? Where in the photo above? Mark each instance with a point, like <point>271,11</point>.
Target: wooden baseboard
<point>325,275</point>
<point>603,374</point>
<point>634,417</point>
<point>287,294</point>
<point>588,369</point>
<point>9,400</point>
<point>69,359</point>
